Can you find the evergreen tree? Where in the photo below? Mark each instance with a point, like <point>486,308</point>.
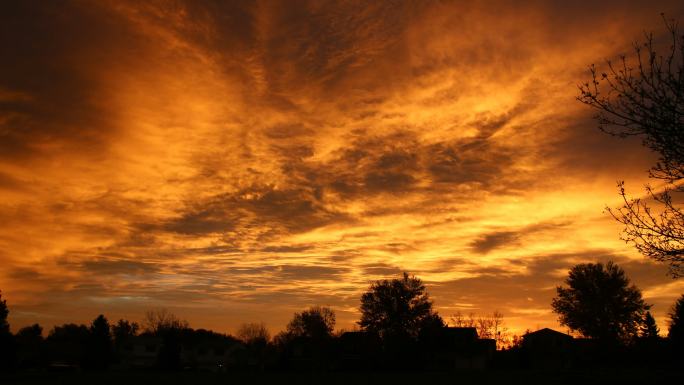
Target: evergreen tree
<point>648,328</point>
<point>100,343</point>
<point>123,330</point>
<point>676,330</point>
<point>4,312</point>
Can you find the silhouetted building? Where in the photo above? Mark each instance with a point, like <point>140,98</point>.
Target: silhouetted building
<point>140,351</point>
<point>214,357</point>
<point>548,348</point>
<point>460,348</point>
<point>143,352</point>
<point>358,350</point>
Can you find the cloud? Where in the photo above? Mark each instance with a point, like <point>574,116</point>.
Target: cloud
<point>494,240</point>
<point>61,109</point>
<point>511,238</point>
<point>310,272</point>
<point>287,248</point>
<point>381,269</point>
<point>279,210</point>
<point>100,266</point>
<point>11,183</point>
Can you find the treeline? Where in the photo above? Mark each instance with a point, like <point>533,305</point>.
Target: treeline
<point>398,329</point>
<point>397,318</point>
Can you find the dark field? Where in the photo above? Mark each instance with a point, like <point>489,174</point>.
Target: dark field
<point>604,376</point>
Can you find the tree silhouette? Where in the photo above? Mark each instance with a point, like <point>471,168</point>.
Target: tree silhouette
<point>68,344</point>
<point>122,331</point>
<point>170,328</point>
<point>7,345</point>
<point>159,321</point>
<point>33,332</point>
<point>395,308</point>
<point>649,329</point>
<point>644,96</point>
<point>4,312</point>
<point>30,349</point>
<point>460,321</point>
<point>316,322</point>
<point>676,328</point>
<point>488,326</point>
<point>99,343</point>
<point>600,303</point>
<point>253,334</point>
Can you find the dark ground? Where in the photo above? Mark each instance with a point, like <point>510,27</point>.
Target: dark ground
<point>603,376</point>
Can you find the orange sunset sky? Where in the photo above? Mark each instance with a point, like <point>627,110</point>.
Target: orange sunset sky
<point>239,161</point>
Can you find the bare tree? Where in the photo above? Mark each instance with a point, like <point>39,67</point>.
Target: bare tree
<point>493,326</point>
<point>644,96</point>
<point>460,321</point>
<point>488,326</point>
<point>162,320</point>
<point>252,333</point>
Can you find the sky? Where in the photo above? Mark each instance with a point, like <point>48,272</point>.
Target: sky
<point>241,161</point>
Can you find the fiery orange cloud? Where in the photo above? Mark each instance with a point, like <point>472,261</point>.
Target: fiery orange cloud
<point>237,162</point>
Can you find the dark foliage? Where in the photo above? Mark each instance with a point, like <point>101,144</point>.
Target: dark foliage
<point>30,347</point>
<point>256,337</point>
<point>316,322</point>
<point>397,308</point>
<point>676,328</point>
<point>307,339</point>
<point>309,344</point>
<point>124,329</point>
<point>600,303</point>
<point>30,333</point>
<point>644,96</point>
<point>649,329</point>
<point>7,343</point>
<point>170,329</point>
<point>122,332</point>
<point>99,348</point>
<point>66,345</point>
<point>399,312</point>
<point>4,312</point>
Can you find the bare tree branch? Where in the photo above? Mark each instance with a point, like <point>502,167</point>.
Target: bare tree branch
<point>644,96</point>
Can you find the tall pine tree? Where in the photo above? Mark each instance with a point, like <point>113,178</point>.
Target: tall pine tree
<point>676,331</point>
<point>649,329</point>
